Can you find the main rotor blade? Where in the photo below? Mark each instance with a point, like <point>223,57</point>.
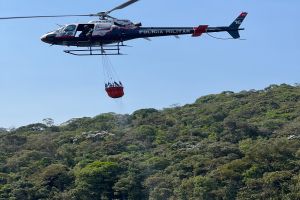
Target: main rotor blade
<point>47,16</point>
<point>124,5</point>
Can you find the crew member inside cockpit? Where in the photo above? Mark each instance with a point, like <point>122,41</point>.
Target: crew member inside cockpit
<point>87,32</point>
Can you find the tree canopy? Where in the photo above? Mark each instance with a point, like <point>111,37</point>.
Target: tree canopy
<point>242,145</point>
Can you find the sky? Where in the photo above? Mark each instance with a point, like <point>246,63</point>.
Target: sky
<point>38,81</point>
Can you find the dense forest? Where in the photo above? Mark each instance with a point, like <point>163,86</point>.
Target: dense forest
<point>242,145</point>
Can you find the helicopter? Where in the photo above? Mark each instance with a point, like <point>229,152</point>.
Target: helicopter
<point>107,35</point>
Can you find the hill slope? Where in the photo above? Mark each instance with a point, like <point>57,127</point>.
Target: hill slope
<point>228,146</point>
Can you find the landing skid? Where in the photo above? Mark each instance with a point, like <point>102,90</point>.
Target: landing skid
<point>113,50</point>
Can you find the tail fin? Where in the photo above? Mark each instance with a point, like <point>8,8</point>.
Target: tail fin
<point>234,27</point>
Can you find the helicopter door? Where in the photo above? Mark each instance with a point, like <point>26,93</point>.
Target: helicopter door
<point>102,29</point>
<point>83,30</point>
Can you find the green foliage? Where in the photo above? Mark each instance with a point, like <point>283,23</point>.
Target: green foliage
<point>56,176</point>
<point>96,180</point>
<point>224,146</point>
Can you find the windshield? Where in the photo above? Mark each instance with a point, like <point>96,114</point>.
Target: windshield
<point>59,30</point>
<point>70,28</point>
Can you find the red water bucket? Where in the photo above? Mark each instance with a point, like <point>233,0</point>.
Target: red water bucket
<point>115,92</point>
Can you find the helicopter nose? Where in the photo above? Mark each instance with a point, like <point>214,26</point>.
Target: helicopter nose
<point>44,38</point>
<point>48,38</point>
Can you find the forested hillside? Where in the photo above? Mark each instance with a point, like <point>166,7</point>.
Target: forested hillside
<point>227,146</point>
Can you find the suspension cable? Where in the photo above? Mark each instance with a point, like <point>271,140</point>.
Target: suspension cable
<point>108,70</point>
<point>218,38</point>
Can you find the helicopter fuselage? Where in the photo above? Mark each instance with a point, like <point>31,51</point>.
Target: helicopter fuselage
<point>98,33</point>
<point>114,31</point>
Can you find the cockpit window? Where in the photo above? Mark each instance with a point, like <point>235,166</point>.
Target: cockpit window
<point>70,28</point>
<point>59,30</point>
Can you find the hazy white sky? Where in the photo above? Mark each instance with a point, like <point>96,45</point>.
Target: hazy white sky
<point>38,81</point>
